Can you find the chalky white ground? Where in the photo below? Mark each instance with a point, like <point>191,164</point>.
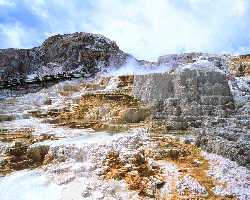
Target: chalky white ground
<point>78,177</point>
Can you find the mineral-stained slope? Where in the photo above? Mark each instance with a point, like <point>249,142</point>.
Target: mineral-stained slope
<point>60,56</point>
<point>196,96</point>
<point>125,137</point>
<point>135,158</point>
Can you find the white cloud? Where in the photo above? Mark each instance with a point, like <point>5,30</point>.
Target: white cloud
<point>148,28</point>
<point>7,3</point>
<point>38,7</point>
<point>15,35</point>
<point>240,7</point>
<point>151,28</point>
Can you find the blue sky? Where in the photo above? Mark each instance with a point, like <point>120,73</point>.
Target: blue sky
<point>144,28</point>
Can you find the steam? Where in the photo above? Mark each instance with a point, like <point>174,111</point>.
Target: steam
<point>134,68</point>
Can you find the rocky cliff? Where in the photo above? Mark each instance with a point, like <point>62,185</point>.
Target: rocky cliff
<point>189,93</point>
<point>60,56</point>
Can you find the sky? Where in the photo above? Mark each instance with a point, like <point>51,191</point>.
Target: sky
<point>146,29</point>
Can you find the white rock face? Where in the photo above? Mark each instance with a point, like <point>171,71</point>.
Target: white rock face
<point>188,93</point>
<point>233,179</point>
<point>188,183</point>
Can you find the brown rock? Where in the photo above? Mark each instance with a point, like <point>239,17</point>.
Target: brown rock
<point>134,115</point>
<point>37,153</point>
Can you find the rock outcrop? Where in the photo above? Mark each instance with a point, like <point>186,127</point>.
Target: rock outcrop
<point>186,96</point>
<point>229,136</point>
<point>198,95</point>
<point>60,56</point>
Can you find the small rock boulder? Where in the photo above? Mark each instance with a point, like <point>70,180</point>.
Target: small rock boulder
<point>134,115</point>
<point>37,153</point>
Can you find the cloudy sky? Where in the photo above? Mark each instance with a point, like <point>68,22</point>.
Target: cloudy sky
<point>144,28</point>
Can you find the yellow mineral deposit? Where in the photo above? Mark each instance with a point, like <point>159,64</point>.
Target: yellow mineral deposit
<point>18,155</point>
